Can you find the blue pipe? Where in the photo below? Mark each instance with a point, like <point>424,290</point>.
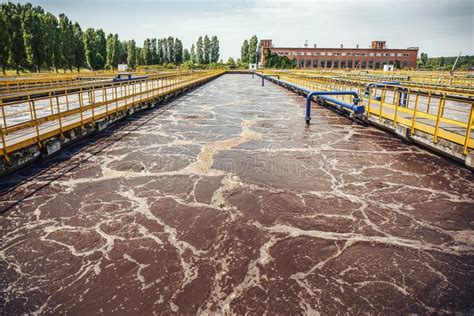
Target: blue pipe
<point>268,76</point>
<point>358,109</point>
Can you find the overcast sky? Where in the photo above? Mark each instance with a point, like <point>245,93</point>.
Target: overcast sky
<point>438,27</point>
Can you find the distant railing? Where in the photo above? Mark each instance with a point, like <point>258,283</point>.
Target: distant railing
<point>444,115</point>
<point>32,117</point>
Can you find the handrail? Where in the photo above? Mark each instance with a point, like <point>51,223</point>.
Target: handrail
<point>358,109</point>
<point>268,76</point>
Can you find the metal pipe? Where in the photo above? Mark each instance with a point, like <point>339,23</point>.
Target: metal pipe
<point>358,109</point>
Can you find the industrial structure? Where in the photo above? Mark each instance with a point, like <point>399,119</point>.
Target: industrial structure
<point>374,57</point>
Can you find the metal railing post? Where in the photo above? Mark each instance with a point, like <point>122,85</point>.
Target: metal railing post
<point>468,130</point>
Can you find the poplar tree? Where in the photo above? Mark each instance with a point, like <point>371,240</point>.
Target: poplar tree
<point>66,36</point>
<point>4,48</point>
<point>244,52</point>
<point>17,56</point>
<point>154,52</point>
<point>33,40</point>
<point>101,53</point>
<point>178,52</point>
<point>214,49</point>
<point>186,55</point>
<point>170,45</point>
<point>78,47</point>
<point>207,50</point>
<point>131,54</point>
<point>90,48</point>
<point>160,52</point>
<point>253,49</point>
<point>52,38</point>
<point>165,51</point>
<point>193,54</point>
<point>146,52</point>
<point>199,51</point>
<point>112,51</point>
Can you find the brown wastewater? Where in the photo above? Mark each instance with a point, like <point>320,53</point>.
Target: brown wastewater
<point>223,202</point>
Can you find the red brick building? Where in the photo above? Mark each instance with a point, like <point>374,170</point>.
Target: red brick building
<point>374,57</point>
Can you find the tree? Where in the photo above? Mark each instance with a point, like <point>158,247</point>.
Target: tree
<point>33,40</point>
<point>78,47</point>
<point>90,48</point>
<point>253,50</point>
<point>207,50</point>
<point>66,40</point>
<point>230,62</point>
<point>178,52</point>
<point>112,50</point>
<point>52,38</point>
<point>424,58</point>
<point>160,52</point>
<point>170,51</point>
<point>193,54</point>
<point>186,55</point>
<point>131,54</point>
<point>244,52</point>
<point>165,51</point>
<point>4,39</point>
<point>123,54</point>
<point>199,51</point>
<point>146,52</point>
<point>154,52</point>
<point>214,49</point>
<point>101,53</point>
<point>17,55</point>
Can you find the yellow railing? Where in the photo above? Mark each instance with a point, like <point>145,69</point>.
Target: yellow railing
<point>438,113</point>
<point>29,118</point>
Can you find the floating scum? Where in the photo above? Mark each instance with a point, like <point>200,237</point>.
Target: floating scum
<point>221,201</point>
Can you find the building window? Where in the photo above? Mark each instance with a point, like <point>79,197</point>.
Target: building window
<point>405,64</point>
<point>364,64</point>
<point>301,53</point>
<point>399,54</point>
<point>343,54</point>
<point>377,65</point>
<point>371,64</point>
<point>315,63</point>
<point>392,54</point>
<point>405,54</point>
<point>294,53</point>
<point>336,54</point>
<point>329,53</point>
<point>349,64</point>
<point>323,53</point>
<point>329,64</point>
<point>343,64</point>
<point>371,54</point>
<point>308,63</point>
<point>315,53</point>
<point>386,54</point>
<point>349,54</point>
<point>322,63</point>
<point>301,63</point>
<point>336,64</point>
<point>308,53</point>
<point>379,54</point>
